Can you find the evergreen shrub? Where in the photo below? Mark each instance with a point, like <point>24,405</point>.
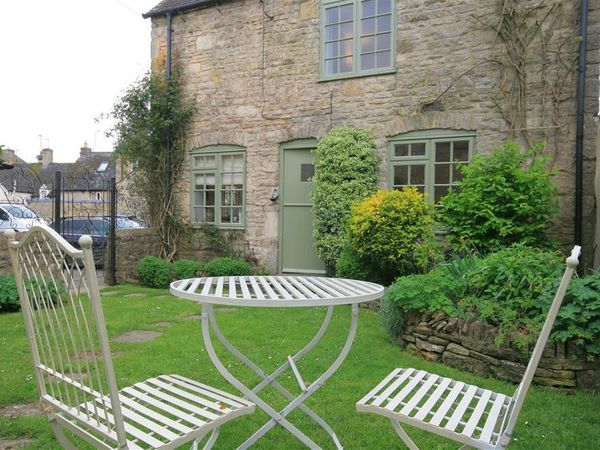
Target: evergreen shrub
<point>154,272</point>
<point>186,268</point>
<point>225,266</point>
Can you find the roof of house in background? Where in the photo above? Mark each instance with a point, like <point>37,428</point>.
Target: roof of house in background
<point>90,172</point>
<point>172,6</point>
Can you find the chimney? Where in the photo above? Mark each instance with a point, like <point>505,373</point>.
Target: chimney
<point>46,155</point>
<point>8,156</point>
<point>85,150</point>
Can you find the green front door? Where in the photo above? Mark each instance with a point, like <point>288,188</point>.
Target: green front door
<point>297,250</point>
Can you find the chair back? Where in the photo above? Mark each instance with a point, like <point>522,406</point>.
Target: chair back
<point>521,392</point>
<point>64,321</point>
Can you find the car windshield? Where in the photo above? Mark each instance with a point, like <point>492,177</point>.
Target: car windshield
<point>21,212</point>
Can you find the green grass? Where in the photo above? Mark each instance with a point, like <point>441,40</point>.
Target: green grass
<point>550,419</point>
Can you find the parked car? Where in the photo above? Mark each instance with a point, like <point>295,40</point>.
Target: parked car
<point>72,228</point>
<point>17,217</point>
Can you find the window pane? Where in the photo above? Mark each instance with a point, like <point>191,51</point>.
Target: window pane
<point>238,180</point>
<point>383,59</point>
<point>400,175</point>
<point>331,49</point>
<point>439,192</point>
<point>384,41</point>
<point>384,6</point>
<point>331,33</point>
<point>421,189</point>
<point>346,64</point>
<point>236,215</point>
<point>226,215</point>
<point>331,66</point>
<point>199,198</point>
<point>226,198</point>
<point>204,161</point>
<point>209,214</point>
<point>461,151</point>
<point>401,150</point>
<point>238,162</point>
<point>442,151</point>
<point>367,44</point>
<point>306,172</point>
<point>346,13</point>
<point>199,214</point>
<point>417,174</point>
<point>417,149</point>
<point>367,61</point>
<point>210,198</point>
<point>368,8</point>
<point>331,15</point>
<point>346,47</point>
<point>346,30</point>
<point>442,174</point>
<point>226,179</point>
<point>457,175</point>
<point>237,198</point>
<point>384,23</point>
<point>368,26</point>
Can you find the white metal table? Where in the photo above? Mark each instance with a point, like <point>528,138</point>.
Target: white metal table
<point>278,292</point>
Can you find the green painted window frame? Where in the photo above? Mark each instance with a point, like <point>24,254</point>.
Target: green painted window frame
<point>428,158</point>
<point>219,154</point>
<point>356,37</point>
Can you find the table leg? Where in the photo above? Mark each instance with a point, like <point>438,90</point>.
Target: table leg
<point>209,321</point>
<point>207,311</point>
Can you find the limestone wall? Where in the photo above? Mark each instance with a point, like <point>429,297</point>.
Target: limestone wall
<point>252,70</point>
<point>469,345</point>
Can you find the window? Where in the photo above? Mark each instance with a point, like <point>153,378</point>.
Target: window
<point>218,185</point>
<point>429,160</point>
<point>102,167</point>
<point>358,38</point>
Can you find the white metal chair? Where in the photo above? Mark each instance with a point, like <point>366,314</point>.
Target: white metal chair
<point>465,413</point>
<point>63,315</point>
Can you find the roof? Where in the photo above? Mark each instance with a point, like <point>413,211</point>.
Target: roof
<point>82,175</point>
<point>172,6</point>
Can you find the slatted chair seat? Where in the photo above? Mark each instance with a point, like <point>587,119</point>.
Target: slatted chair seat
<point>465,413</point>
<point>64,320</point>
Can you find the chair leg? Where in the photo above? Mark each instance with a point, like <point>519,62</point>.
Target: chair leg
<point>211,441</point>
<point>60,435</point>
<point>407,440</point>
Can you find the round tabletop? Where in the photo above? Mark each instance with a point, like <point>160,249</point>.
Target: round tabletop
<point>276,291</point>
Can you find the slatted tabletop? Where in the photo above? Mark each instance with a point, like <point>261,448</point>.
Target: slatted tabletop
<point>276,291</point>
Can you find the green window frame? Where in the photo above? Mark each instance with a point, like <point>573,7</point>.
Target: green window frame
<point>358,38</point>
<point>218,186</point>
<point>429,160</point>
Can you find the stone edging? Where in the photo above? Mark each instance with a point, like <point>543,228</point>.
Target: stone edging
<point>469,345</point>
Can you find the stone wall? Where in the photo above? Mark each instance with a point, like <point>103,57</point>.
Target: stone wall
<point>469,345</point>
<point>252,69</point>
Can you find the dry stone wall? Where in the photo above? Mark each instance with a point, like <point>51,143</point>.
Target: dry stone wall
<point>252,69</point>
<point>469,345</point>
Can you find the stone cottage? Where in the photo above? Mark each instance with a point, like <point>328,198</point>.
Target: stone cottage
<point>435,81</point>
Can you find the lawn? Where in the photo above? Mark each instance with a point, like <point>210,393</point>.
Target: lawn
<point>550,419</point>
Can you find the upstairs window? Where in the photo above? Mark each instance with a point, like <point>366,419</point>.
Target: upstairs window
<point>429,160</point>
<point>358,38</point>
<point>218,186</point>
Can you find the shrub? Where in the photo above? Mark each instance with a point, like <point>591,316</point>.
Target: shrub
<point>225,266</point>
<point>392,232</point>
<point>346,167</point>
<point>350,266</point>
<point>505,197</point>
<point>186,268</point>
<point>9,296</point>
<point>154,272</point>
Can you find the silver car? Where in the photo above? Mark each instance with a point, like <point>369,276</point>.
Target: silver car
<point>17,217</point>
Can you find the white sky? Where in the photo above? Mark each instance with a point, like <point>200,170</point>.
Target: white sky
<point>62,64</point>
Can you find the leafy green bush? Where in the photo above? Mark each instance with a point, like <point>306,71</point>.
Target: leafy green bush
<point>225,266</point>
<point>154,272</point>
<point>346,167</point>
<point>392,233</point>
<point>186,268</point>
<point>350,266</point>
<point>505,197</point>
<point>511,289</point>
<point>9,296</point>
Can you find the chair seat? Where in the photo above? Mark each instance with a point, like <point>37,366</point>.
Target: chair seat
<point>169,410</point>
<point>459,411</point>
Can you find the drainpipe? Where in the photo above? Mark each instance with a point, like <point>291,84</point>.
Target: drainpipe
<point>168,137</point>
<point>583,24</point>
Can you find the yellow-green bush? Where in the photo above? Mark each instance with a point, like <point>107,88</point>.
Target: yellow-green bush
<point>392,232</point>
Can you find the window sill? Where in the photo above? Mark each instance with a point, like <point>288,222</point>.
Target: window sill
<point>359,75</point>
<point>199,225</point>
